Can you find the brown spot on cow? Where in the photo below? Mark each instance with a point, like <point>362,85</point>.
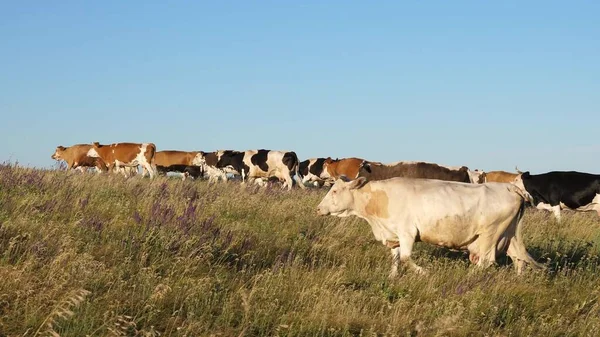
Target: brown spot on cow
<point>168,158</point>
<point>348,167</point>
<point>500,176</point>
<point>378,204</point>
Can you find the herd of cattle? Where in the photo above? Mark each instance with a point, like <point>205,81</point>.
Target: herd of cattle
<point>454,207</point>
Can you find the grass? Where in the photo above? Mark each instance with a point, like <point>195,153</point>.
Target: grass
<point>101,255</point>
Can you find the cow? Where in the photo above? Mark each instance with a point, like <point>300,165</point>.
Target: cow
<point>209,160</point>
<point>177,161</point>
<point>558,190</point>
<point>126,154</point>
<point>500,176</point>
<point>313,171</point>
<point>256,166</point>
<point>77,158</point>
<point>378,171</point>
<point>347,167</point>
<point>483,219</point>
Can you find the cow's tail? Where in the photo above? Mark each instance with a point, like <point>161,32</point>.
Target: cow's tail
<point>290,159</point>
<point>519,236</point>
<point>150,152</point>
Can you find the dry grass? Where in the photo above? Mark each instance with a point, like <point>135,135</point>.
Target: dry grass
<point>104,256</point>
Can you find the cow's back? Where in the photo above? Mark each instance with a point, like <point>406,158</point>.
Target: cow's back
<point>500,176</point>
<point>419,170</point>
<point>574,189</point>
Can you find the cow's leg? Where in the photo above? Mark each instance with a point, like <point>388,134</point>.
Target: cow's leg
<point>406,243</point>
<point>482,251</point>
<point>148,167</point>
<point>299,181</point>
<point>289,183</point>
<point>395,262</point>
<point>556,211</point>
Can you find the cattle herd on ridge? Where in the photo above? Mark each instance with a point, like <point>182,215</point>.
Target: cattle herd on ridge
<point>403,202</point>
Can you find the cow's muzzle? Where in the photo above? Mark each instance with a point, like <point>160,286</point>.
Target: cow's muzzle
<point>322,211</point>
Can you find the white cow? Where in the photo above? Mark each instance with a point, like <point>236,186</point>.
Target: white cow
<point>483,219</point>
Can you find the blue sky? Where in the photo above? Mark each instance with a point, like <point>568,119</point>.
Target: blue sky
<point>489,85</point>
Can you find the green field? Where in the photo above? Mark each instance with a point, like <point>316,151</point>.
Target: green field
<point>101,255</point>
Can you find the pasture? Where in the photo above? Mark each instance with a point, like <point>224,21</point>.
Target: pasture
<point>101,255</point>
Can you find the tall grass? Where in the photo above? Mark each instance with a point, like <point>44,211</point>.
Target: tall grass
<point>101,255</point>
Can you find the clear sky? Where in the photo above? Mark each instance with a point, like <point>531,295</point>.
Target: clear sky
<point>485,84</point>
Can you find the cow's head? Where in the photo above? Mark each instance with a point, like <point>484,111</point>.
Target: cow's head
<point>364,167</point>
<point>340,199</point>
<point>476,176</point>
<point>92,152</point>
<point>328,162</point>
<point>199,159</point>
<point>518,181</point>
<point>58,152</point>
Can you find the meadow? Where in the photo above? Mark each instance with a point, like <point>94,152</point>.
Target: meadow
<point>101,255</point>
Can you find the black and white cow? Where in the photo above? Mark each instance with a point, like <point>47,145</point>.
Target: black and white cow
<point>209,160</point>
<point>260,165</point>
<point>312,171</point>
<point>558,190</point>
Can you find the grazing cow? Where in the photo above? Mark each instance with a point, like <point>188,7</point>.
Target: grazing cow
<point>483,219</point>
<point>260,165</point>
<point>558,190</point>
<point>347,167</point>
<point>126,154</point>
<point>378,171</point>
<point>177,161</point>
<point>313,171</point>
<point>77,158</point>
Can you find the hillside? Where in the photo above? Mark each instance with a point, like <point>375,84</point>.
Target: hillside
<point>101,255</point>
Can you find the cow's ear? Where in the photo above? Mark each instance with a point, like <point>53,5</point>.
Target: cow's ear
<point>96,144</point>
<point>357,183</point>
<point>525,174</point>
<point>345,179</point>
<point>60,147</point>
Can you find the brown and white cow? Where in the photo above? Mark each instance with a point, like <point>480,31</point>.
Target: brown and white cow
<point>484,219</point>
<point>347,167</point>
<point>77,157</point>
<point>126,154</point>
<point>378,171</point>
